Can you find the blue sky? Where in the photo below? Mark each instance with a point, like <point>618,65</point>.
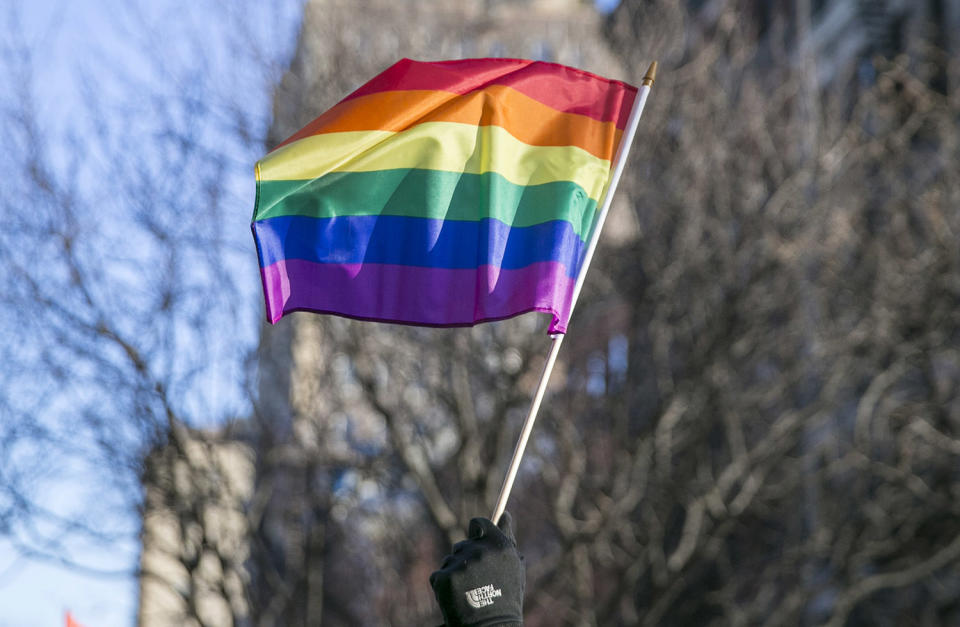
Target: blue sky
<point>97,37</point>
<point>35,593</point>
<point>605,6</point>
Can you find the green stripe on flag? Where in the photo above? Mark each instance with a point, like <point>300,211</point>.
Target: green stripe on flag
<point>428,194</point>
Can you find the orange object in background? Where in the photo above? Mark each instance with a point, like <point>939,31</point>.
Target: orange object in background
<point>71,622</point>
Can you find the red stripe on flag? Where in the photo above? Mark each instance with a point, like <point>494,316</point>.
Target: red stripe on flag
<point>563,88</point>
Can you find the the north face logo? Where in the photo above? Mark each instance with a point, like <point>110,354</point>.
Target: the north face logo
<point>483,596</point>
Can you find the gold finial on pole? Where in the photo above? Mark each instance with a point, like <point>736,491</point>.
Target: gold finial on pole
<point>651,75</point>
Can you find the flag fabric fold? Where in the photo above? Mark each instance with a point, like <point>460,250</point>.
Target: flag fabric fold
<point>440,194</point>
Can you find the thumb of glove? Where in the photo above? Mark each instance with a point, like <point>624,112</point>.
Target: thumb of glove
<point>500,534</point>
<point>505,524</point>
<point>481,528</point>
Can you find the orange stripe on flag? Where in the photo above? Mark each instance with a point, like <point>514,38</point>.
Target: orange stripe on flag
<point>528,120</point>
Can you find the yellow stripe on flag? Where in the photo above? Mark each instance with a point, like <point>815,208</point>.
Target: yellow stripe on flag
<point>445,146</point>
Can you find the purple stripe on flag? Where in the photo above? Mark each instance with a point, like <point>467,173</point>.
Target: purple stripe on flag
<point>416,295</point>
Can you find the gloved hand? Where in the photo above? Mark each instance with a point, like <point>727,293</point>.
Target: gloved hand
<point>481,583</point>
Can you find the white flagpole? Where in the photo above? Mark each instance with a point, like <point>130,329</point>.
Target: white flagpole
<point>619,161</point>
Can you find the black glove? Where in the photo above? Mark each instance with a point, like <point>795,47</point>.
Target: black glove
<point>481,584</point>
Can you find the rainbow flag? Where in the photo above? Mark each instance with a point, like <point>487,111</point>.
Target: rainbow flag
<point>441,194</point>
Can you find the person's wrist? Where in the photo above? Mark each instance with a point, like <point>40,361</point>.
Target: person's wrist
<point>504,621</point>
<point>494,621</point>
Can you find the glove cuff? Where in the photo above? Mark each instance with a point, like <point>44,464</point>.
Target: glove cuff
<point>498,621</point>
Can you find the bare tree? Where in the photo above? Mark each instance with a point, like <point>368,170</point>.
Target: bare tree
<point>130,313</point>
<point>784,296</point>
<point>755,417</point>
<point>734,434</point>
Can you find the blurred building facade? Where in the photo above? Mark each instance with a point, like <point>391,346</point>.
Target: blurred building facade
<point>847,33</point>
<point>843,35</point>
<point>838,38</point>
<point>194,537</point>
